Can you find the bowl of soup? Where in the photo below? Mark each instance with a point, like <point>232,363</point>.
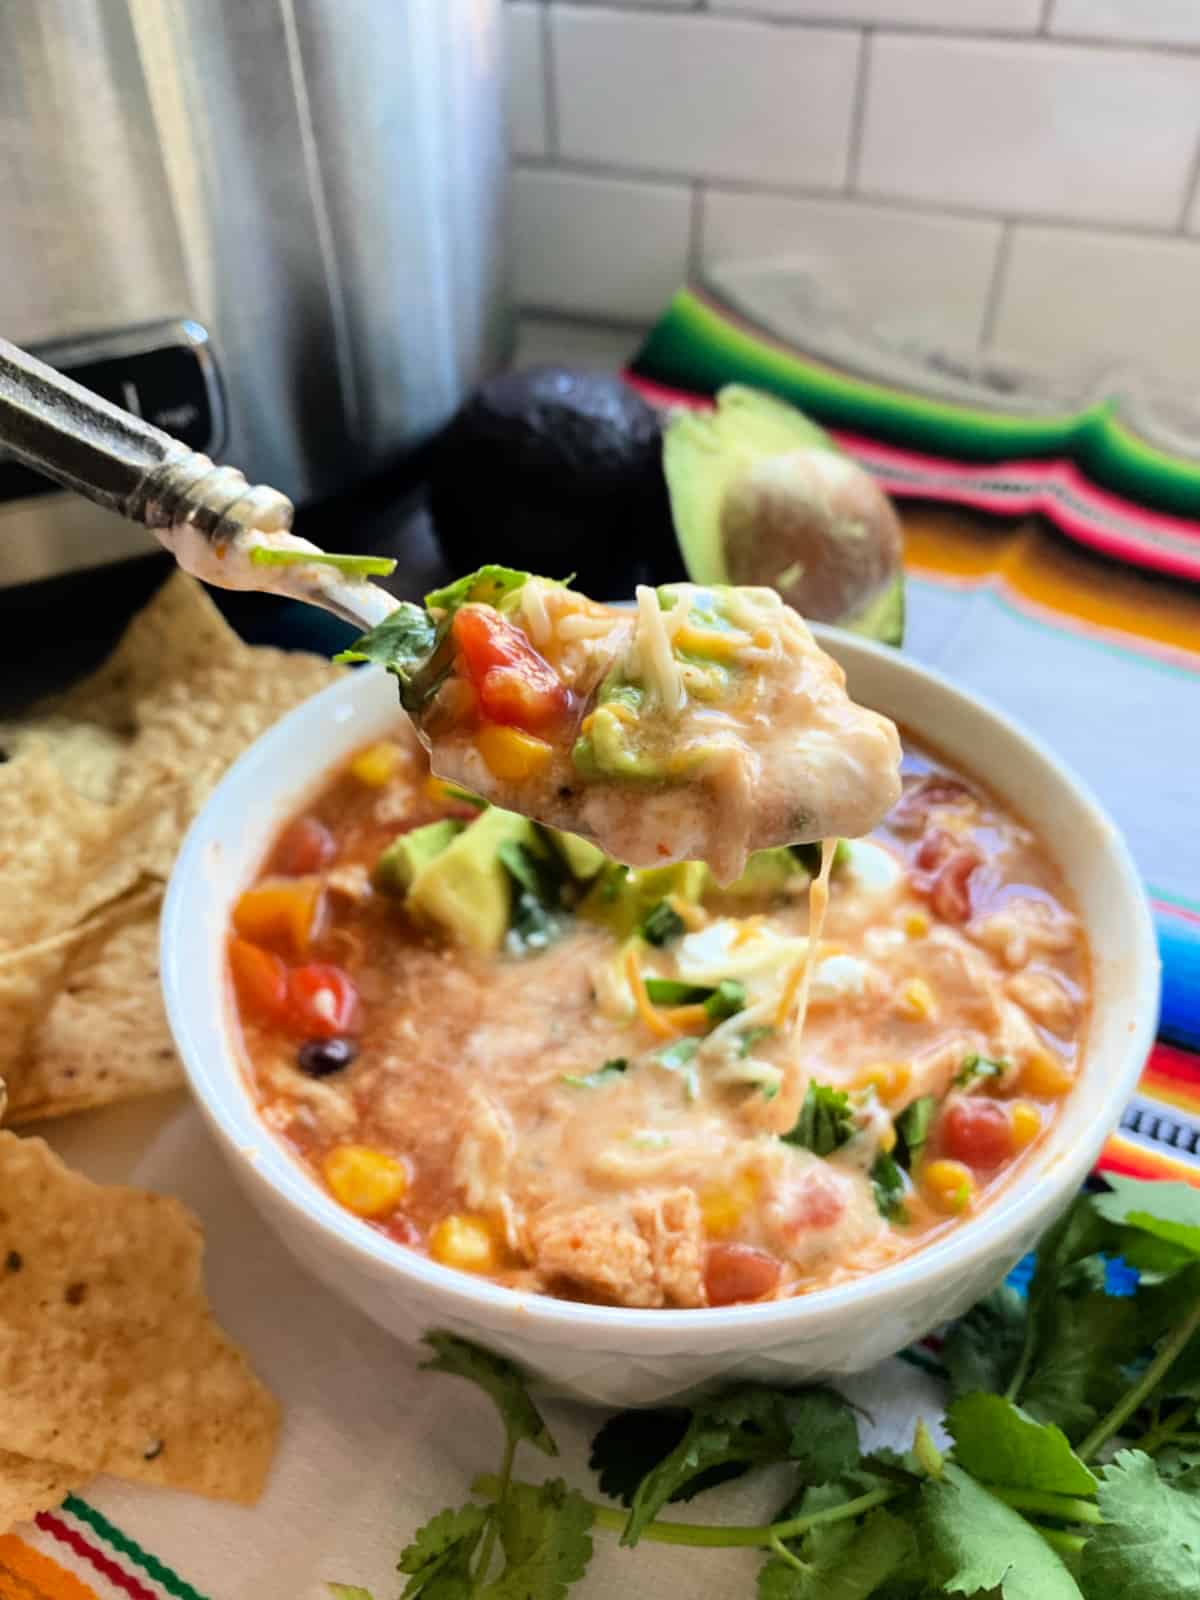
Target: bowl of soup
<point>481,1078</point>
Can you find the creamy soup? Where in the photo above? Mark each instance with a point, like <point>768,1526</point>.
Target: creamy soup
<point>502,1049</point>
<point>705,724</point>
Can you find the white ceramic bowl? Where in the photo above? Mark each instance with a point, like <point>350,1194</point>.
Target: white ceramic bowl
<point>612,1355</point>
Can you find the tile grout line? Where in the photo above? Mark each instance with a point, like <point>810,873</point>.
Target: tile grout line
<point>549,81</point>
<point>858,112</point>
<point>991,308</point>
<point>580,167</point>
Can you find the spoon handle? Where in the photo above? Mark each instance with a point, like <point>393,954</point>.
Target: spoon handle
<point>85,443</point>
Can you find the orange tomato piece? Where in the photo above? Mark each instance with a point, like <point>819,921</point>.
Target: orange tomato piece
<point>259,980</point>
<point>516,686</point>
<point>284,914</point>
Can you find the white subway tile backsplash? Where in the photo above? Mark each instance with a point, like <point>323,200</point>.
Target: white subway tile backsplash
<point>1081,296</point>
<point>705,96</point>
<point>917,275</point>
<point>526,79</point>
<point>1037,129</point>
<point>602,246</point>
<point>964,16</point>
<point>1136,21</point>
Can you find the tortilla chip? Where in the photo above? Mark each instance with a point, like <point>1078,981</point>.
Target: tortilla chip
<point>100,786</point>
<point>105,1036</point>
<point>27,1487</point>
<point>110,1360</point>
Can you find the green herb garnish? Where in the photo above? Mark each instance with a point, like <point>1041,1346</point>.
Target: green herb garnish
<point>661,925</point>
<point>670,992</point>
<point>826,1120</point>
<point>889,1185</point>
<point>912,1130</point>
<point>605,1074</point>
<point>726,1000</point>
<point>1021,1506</point>
<point>678,1053</point>
<point>975,1067</point>
<point>264,555</point>
<point>406,642</point>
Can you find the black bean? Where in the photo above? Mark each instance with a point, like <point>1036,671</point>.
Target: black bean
<point>320,1057</point>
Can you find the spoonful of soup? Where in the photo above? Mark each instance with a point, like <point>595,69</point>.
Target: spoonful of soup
<point>704,723</point>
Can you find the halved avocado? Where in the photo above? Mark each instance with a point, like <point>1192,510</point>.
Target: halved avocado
<point>762,495</point>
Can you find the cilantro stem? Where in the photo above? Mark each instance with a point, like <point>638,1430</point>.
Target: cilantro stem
<point>499,1495</point>
<point>1163,1432</point>
<point>784,1554</point>
<point>1145,1386</point>
<point>1067,1544</point>
<point>714,1534</point>
<point>1017,1382</point>
<point>1064,1506</point>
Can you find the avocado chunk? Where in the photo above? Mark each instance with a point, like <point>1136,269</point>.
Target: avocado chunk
<point>582,859</point>
<point>407,854</point>
<point>767,873</point>
<point>465,890</point>
<point>620,898</point>
<point>761,495</point>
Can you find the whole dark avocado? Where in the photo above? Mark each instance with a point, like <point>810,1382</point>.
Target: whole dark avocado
<point>556,470</point>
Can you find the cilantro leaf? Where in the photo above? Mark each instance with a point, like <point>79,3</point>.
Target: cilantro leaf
<point>490,585</point>
<point>544,1533</point>
<point>349,1591</point>
<point>982,1349</point>
<point>631,1443</point>
<point>406,643</point>
<point>1148,1547</point>
<point>826,1120</point>
<point>889,1186</point>
<point>975,1067</point>
<point>1076,1372</point>
<point>500,1380</point>
<point>973,1541</point>
<point>1167,1212</point>
<point>661,924</point>
<point>847,1562</point>
<point>670,992</point>
<point>605,1074</point>
<point>812,1428</point>
<point>912,1130</point>
<point>677,1054</point>
<point>537,896</point>
<point>726,1000</point>
<point>437,1558</point>
<point>999,1443</point>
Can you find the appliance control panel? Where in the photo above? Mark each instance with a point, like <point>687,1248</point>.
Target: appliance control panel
<point>164,372</point>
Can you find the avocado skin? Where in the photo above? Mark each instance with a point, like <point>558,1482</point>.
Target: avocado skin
<point>465,890</point>
<point>558,470</point>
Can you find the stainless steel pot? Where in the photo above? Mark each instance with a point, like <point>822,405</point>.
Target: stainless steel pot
<point>273,227</point>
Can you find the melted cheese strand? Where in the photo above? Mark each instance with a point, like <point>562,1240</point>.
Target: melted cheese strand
<point>659,666</point>
<point>785,1107</point>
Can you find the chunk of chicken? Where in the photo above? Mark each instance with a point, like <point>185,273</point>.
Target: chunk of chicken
<point>650,1254</point>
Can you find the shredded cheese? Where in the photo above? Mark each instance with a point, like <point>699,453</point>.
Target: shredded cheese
<point>786,1106</point>
<point>653,1018</point>
<point>659,666</point>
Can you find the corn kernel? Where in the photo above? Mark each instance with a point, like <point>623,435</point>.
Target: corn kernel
<point>465,1242</point>
<point>714,646</point>
<point>722,1209</point>
<point>888,1078</point>
<point>887,1139</point>
<point>375,765</point>
<point>916,925</point>
<point>948,1186</point>
<point>364,1180</point>
<point>915,1002</point>
<point>1026,1122</point>
<point>510,754</point>
<point>1045,1076</point>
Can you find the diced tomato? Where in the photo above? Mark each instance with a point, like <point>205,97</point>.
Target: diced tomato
<point>935,847</point>
<point>927,794</point>
<point>304,847</point>
<point>817,1202</point>
<point>976,1132</point>
<point>515,685</point>
<point>259,980</point>
<point>285,914</point>
<point>736,1272</point>
<point>322,1001</point>
<point>950,895</point>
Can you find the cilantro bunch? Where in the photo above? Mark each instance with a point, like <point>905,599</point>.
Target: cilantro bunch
<point>1073,1470</point>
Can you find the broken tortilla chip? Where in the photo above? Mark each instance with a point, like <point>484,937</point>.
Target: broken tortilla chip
<point>98,790</point>
<point>110,1359</point>
<point>106,1022</point>
<point>27,1487</point>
